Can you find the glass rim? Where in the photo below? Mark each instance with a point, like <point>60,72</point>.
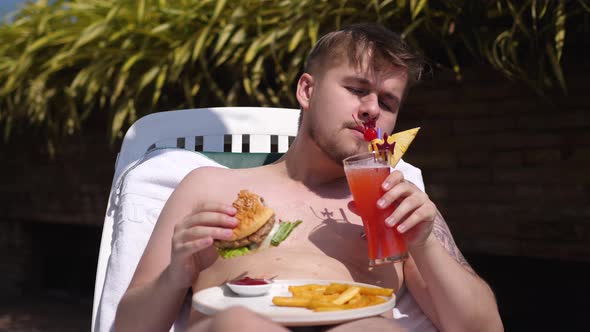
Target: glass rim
<point>362,157</point>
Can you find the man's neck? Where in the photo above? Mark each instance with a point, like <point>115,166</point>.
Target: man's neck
<point>305,162</point>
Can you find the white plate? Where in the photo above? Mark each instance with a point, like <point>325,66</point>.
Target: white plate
<point>212,300</point>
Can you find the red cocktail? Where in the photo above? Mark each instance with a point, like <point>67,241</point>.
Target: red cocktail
<point>365,174</point>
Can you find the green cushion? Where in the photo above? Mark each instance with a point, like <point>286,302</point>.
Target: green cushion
<point>243,159</point>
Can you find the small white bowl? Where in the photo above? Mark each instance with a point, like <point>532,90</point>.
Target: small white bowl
<point>250,290</point>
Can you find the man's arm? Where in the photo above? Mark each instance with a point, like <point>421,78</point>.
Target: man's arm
<point>169,264</point>
<point>447,288</point>
<point>153,306</point>
<point>442,232</point>
<point>440,279</point>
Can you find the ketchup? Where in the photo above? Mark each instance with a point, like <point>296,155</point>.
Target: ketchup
<point>247,281</point>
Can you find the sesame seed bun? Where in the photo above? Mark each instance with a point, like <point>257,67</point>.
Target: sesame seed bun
<point>252,214</point>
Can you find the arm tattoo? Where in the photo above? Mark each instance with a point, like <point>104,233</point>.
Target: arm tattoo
<point>443,234</point>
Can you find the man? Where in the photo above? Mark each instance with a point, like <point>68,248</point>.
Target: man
<point>365,71</point>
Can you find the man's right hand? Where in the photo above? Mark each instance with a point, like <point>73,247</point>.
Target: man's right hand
<point>196,232</point>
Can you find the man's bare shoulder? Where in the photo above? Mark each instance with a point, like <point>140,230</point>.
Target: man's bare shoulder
<point>208,180</point>
<point>207,175</point>
<point>221,184</point>
<point>217,174</point>
<point>202,173</point>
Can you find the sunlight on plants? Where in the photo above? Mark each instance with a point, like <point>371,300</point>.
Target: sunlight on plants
<point>61,61</point>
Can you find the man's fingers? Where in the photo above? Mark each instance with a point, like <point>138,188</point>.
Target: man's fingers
<point>215,207</point>
<point>395,194</point>
<point>393,179</point>
<point>216,233</point>
<point>405,208</point>
<point>185,249</point>
<point>423,213</point>
<point>209,219</point>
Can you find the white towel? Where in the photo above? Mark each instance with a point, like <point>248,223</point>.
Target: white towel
<point>411,173</point>
<point>142,192</point>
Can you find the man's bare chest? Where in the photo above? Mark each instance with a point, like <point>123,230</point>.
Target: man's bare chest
<point>328,244</point>
<point>326,219</point>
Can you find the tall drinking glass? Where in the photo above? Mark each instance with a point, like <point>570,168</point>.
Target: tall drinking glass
<point>365,174</point>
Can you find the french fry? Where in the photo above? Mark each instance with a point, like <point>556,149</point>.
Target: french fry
<point>325,298</point>
<point>307,291</point>
<point>376,291</point>
<point>347,295</point>
<point>333,297</point>
<point>374,300</point>
<point>359,301</point>
<point>307,288</point>
<point>332,308</point>
<point>319,303</point>
<point>306,295</point>
<point>290,301</point>
<point>335,288</point>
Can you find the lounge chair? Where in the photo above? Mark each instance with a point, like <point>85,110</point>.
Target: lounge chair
<point>233,136</point>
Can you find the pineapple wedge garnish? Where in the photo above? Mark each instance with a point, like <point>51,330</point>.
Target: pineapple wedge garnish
<point>402,141</point>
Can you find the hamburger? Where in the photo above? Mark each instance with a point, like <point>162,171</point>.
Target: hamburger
<point>255,224</point>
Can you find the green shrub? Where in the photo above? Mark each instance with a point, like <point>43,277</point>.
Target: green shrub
<point>62,60</point>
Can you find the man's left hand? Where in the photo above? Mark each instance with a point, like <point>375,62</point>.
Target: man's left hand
<point>415,212</point>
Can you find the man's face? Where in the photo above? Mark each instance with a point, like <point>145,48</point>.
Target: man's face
<point>341,92</point>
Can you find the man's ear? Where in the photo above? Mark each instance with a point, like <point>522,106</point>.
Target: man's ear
<point>304,90</point>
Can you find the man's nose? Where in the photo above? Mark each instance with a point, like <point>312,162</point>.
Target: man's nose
<point>369,108</point>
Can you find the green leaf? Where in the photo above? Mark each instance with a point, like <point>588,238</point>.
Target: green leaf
<point>252,51</point>
<point>141,11</point>
<point>130,62</point>
<point>285,228</point>
<point>313,28</point>
<point>454,62</point>
<point>81,78</point>
<point>148,77</point>
<point>203,35</point>
<point>560,17</point>
<point>181,56</point>
<point>219,5</point>
<point>239,37</point>
<point>161,28</point>
<point>416,6</point>
<point>517,16</point>
<point>159,84</point>
<point>412,26</point>
<point>119,86</point>
<point>120,117</point>
<point>269,39</point>
<point>556,68</point>
<point>112,13</point>
<point>91,33</point>
<point>296,39</point>
<point>223,37</point>
<point>247,83</point>
<point>40,43</point>
<point>232,253</point>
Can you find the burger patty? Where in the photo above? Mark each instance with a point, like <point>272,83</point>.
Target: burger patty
<point>255,238</point>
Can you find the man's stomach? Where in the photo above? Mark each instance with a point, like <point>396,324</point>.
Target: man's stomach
<point>299,263</point>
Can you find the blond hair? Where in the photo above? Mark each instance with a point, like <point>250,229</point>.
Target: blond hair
<point>355,42</point>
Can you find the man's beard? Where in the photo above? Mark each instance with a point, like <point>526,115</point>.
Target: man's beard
<point>331,146</point>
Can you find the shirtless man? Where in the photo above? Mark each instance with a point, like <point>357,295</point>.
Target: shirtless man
<point>365,71</point>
